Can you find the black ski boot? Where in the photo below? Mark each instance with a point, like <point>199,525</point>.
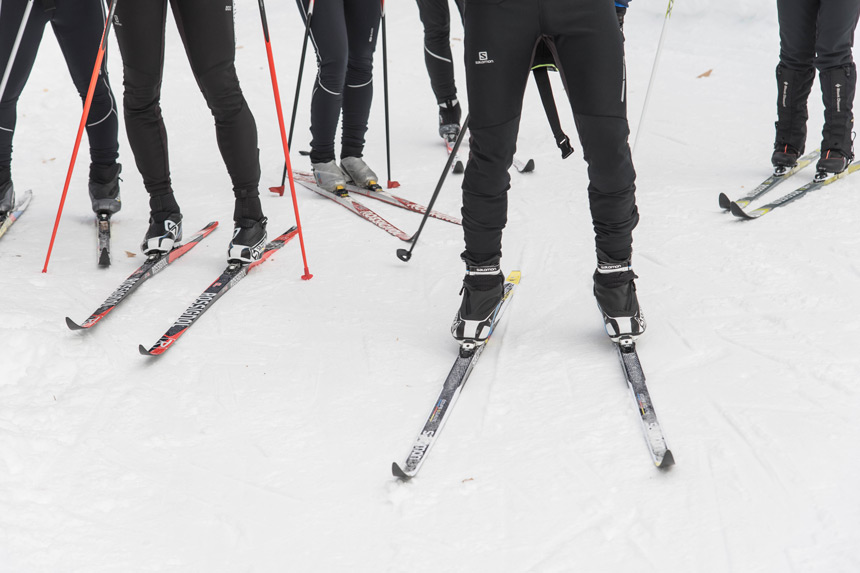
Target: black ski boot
<point>249,240</point>
<point>165,230</point>
<point>483,288</point>
<point>792,113</point>
<point>615,292</point>
<point>449,120</point>
<point>837,90</point>
<point>104,188</point>
<point>7,198</point>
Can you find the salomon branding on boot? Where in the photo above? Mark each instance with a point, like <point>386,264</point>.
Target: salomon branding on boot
<point>483,289</point>
<point>359,173</point>
<point>615,292</point>
<point>162,234</point>
<point>104,188</point>
<point>249,240</point>
<point>7,198</point>
<point>449,120</point>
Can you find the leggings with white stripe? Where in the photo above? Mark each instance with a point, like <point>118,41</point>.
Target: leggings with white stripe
<point>344,34</point>
<point>436,17</point>
<point>78,25</point>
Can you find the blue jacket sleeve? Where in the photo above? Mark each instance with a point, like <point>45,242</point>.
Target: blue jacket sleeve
<point>622,3</point>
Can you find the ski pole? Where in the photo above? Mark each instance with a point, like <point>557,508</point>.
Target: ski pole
<point>287,166</point>
<point>403,254</point>
<point>653,73</point>
<point>391,184</point>
<point>87,103</point>
<point>14,52</point>
<point>280,189</point>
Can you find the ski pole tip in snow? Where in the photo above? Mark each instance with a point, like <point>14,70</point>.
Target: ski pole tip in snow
<point>393,184</point>
<point>404,255</point>
<point>307,276</point>
<point>279,190</point>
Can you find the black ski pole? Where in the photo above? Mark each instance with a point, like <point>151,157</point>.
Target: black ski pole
<point>280,189</point>
<point>403,254</point>
<point>391,183</point>
<point>15,46</point>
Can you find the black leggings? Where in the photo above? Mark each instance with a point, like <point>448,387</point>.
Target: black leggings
<point>436,17</point>
<point>206,29</point>
<point>587,44</point>
<point>344,34</point>
<point>78,25</point>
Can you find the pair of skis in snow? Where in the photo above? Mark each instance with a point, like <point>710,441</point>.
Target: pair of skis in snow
<point>821,179</point>
<point>466,360</point>
<point>154,264</point>
<point>360,209</point>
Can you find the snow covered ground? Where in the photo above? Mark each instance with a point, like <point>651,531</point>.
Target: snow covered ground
<point>263,441</point>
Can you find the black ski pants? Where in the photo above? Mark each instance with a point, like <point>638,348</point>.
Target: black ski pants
<point>816,33</point>
<point>78,26</point>
<point>344,35</point>
<point>206,29</point>
<point>436,18</point>
<point>587,45</point>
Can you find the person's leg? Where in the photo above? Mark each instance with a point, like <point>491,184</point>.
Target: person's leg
<point>207,32</point>
<point>20,65</point>
<point>436,18</point>
<point>794,77</point>
<point>79,25</point>
<point>590,52</point>
<point>837,21</point>
<point>329,37</point>
<point>499,42</point>
<point>139,28</point>
<point>362,24</point>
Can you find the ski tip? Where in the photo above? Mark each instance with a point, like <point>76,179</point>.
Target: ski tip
<point>725,202</point>
<point>73,325</point>
<point>529,167</point>
<point>514,277</point>
<point>142,349</point>
<point>738,212</point>
<point>104,258</point>
<point>399,473</point>
<point>667,461</point>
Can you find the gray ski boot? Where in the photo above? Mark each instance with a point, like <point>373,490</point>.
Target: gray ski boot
<point>330,178</point>
<point>359,173</point>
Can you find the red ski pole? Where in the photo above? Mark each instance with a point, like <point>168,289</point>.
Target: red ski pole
<point>280,189</point>
<point>307,275</point>
<point>87,103</point>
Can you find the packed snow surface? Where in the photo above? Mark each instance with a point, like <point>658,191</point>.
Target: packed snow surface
<point>263,440</point>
